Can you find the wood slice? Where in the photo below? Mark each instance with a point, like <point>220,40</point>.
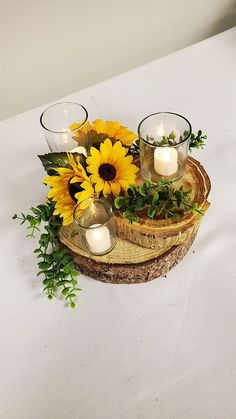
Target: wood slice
<point>161,234</point>
<point>127,263</point>
<point>148,249</point>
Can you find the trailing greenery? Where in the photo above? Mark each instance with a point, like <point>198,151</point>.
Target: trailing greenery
<point>196,141</point>
<point>160,201</point>
<point>55,265</point>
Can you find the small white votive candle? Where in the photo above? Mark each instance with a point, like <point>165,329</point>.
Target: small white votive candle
<point>98,239</point>
<point>165,161</point>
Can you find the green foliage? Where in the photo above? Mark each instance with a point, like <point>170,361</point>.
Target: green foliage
<point>55,265</point>
<point>52,160</point>
<point>159,200</point>
<point>134,149</point>
<point>196,141</point>
<point>169,140</point>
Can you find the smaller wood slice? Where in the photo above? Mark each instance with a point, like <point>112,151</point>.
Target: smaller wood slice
<point>160,234</point>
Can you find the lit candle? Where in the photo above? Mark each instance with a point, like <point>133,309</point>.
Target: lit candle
<point>165,161</point>
<point>160,131</point>
<point>66,137</point>
<point>98,238</point>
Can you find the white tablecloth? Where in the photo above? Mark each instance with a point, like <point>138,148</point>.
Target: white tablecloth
<point>164,349</point>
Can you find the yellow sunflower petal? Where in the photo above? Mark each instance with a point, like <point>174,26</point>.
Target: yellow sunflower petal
<point>92,168</point>
<point>99,126</point>
<point>115,188</point>
<point>111,127</point>
<point>75,179</point>
<point>95,156</point>
<point>75,126</point>
<point>106,189</point>
<point>99,185</point>
<point>106,150</point>
<point>124,183</point>
<point>86,194</point>
<point>67,221</point>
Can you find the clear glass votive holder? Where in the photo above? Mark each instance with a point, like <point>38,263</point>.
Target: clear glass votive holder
<point>95,223</point>
<point>164,143</point>
<point>56,121</point>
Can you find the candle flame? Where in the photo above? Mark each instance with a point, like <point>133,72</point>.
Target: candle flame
<point>160,130</point>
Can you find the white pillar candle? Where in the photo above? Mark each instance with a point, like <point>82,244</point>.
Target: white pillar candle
<point>165,161</point>
<point>98,239</point>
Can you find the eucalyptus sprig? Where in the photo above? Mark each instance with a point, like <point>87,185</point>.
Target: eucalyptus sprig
<point>55,265</point>
<point>158,200</point>
<point>196,141</point>
<point>169,140</point>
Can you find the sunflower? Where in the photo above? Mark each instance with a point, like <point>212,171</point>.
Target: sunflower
<point>69,187</point>
<point>110,168</point>
<point>97,131</point>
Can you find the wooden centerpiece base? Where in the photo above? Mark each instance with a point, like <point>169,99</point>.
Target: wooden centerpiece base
<point>150,248</point>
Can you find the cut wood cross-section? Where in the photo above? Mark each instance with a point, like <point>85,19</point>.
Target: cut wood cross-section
<point>147,249</point>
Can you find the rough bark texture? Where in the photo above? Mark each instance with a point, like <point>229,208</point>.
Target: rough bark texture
<point>133,272</point>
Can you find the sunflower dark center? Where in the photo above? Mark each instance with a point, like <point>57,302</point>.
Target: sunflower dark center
<point>107,171</point>
<point>74,188</point>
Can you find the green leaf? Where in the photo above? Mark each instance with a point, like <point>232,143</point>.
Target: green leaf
<point>155,197</point>
<point>59,254</point>
<point>51,161</point>
<point>43,265</point>
<point>47,257</point>
<point>119,202</point>
<point>74,233</point>
<point>74,272</point>
<point>151,211</point>
<point>130,216</point>
<point>46,281</point>
<point>140,203</point>
<point>179,197</point>
<point>142,190</point>
<point>71,295</point>
<point>69,267</point>
<point>40,273</point>
<point>74,282</point>
<point>148,183</point>
<point>66,290</point>
<point>63,282</point>
<point>35,211</point>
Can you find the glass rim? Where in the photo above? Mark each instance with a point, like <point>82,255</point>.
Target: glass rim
<point>62,103</point>
<point>92,199</point>
<point>165,145</point>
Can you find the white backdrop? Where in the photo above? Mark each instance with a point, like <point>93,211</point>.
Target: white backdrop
<point>51,48</point>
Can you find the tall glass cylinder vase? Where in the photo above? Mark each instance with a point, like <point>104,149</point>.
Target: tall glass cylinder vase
<point>164,143</point>
<point>59,122</point>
